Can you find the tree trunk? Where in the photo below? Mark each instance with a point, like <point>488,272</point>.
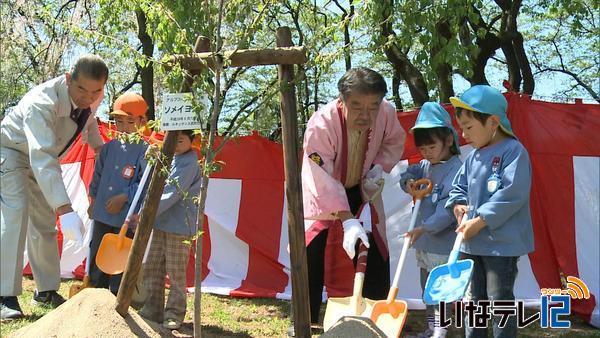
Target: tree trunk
<point>443,70</point>
<point>402,65</point>
<point>396,91</point>
<point>487,49</point>
<point>514,71</point>
<point>528,80</point>
<point>147,72</point>
<point>347,17</point>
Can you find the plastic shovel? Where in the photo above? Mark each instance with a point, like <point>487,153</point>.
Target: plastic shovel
<point>448,282</point>
<point>114,248</point>
<point>389,315</point>
<point>356,305</point>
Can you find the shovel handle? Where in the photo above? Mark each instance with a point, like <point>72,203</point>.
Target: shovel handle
<point>453,257</point>
<point>413,221</point>
<point>416,190</point>
<point>392,295</point>
<point>359,278</point>
<point>138,192</point>
<point>122,234</point>
<point>361,261</point>
<point>457,242</point>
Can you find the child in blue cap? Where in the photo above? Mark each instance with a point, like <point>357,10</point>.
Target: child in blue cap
<point>492,190</point>
<point>433,235</point>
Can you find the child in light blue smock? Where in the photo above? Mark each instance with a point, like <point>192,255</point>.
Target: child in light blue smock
<point>492,189</point>
<point>174,229</point>
<point>433,235</point>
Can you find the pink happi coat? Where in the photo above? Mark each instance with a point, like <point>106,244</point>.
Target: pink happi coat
<point>324,166</point>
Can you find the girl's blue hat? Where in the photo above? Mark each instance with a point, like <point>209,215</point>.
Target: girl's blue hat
<point>433,115</point>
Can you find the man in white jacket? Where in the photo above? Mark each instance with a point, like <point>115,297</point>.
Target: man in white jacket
<point>34,135</point>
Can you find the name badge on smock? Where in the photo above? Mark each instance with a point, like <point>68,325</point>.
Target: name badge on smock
<point>435,193</point>
<point>494,182</point>
<point>128,172</point>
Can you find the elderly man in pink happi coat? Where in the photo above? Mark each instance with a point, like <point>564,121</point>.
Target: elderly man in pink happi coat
<point>348,145</point>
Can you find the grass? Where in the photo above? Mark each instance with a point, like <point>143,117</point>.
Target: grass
<point>259,317</point>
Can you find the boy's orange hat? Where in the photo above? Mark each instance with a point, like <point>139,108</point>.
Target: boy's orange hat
<point>130,104</point>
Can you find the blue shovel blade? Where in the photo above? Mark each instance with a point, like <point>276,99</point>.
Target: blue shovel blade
<point>442,286</point>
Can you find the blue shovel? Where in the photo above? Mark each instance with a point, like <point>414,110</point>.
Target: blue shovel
<point>448,282</point>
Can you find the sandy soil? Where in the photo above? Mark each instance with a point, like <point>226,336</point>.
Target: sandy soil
<point>90,313</point>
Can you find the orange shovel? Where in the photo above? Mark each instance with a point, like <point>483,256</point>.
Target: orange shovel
<point>389,315</point>
<point>114,248</point>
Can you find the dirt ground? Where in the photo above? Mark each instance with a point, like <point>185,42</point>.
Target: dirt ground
<point>91,313</point>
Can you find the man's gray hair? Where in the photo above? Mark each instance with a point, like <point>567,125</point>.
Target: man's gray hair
<point>363,81</point>
<point>90,66</point>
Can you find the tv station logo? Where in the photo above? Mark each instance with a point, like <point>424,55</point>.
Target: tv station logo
<point>554,304</point>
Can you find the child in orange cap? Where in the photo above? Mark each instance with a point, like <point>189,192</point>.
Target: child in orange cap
<point>117,173</point>
<point>129,112</point>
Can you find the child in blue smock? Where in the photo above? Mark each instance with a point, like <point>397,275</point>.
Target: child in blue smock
<point>492,190</point>
<point>433,235</point>
<point>117,174</point>
<point>174,229</point>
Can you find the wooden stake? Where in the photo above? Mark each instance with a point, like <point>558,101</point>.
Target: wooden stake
<point>148,213</point>
<point>289,126</point>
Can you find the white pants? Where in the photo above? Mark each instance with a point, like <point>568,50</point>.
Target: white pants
<point>25,212</point>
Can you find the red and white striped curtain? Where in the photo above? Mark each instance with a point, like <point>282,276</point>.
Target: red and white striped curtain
<point>246,236</point>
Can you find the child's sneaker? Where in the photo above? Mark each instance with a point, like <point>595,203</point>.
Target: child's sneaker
<point>439,332</point>
<point>171,324</point>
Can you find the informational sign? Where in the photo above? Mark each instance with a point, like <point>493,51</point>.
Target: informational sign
<point>177,113</point>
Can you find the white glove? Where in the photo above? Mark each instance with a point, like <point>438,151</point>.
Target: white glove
<point>72,226</point>
<point>372,178</point>
<point>352,232</point>
<point>375,174</point>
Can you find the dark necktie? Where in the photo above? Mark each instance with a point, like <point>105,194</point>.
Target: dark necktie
<point>79,116</point>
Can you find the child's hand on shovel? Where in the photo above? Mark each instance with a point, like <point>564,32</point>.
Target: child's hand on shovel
<point>414,234</point>
<point>459,210</point>
<point>134,221</point>
<point>471,227</point>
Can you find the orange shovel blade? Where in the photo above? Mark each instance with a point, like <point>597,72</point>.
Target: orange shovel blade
<point>390,317</point>
<point>112,257</point>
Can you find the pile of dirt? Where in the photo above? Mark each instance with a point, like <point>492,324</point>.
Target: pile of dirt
<point>91,313</point>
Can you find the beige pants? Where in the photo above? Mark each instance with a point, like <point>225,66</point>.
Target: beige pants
<point>24,213</point>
